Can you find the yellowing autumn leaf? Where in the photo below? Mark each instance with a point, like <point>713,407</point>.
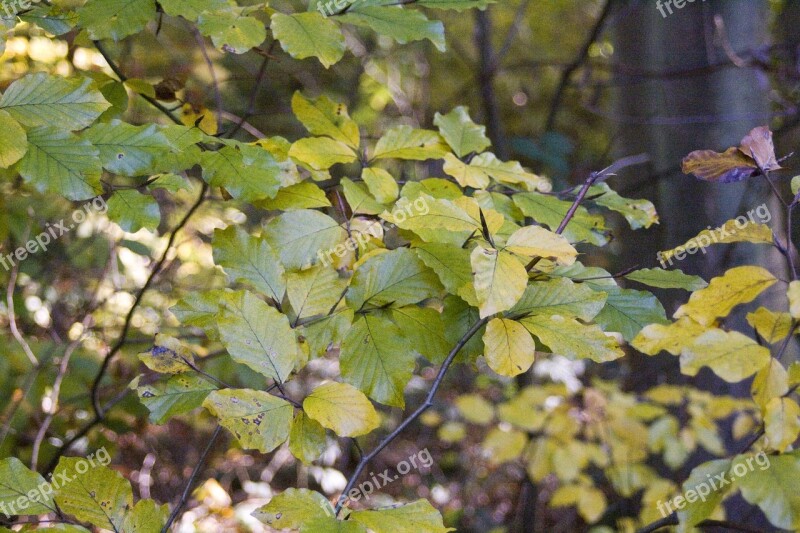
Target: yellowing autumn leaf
<point>729,354</point>
<point>772,326</point>
<point>737,286</point>
<point>201,116</point>
<point>509,348</point>
<point>341,408</point>
<point>536,241</point>
<point>731,231</point>
<point>794,299</point>
<point>781,423</point>
<point>671,338</point>
<point>499,279</point>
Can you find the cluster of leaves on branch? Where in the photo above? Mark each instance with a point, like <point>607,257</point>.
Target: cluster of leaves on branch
<point>476,265</point>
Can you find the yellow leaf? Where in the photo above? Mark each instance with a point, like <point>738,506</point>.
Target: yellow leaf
<point>321,153</point>
<point>190,115</point>
<point>772,381</point>
<point>737,286</point>
<point>536,241</point>
<point>731,355</point>
<point>781,423</point>
<point>794,299</point>
<point>591,504</point>
<point>772,326</point>
<point>731,231</point>
<point>474,408</point>
<point>322,116</point>
<point>509,348</point>
<point>465,175</point>
<point>168,356</point>
<point>499,278</point>
<point>502,446</point>
<point>341,408</point>
<point>671,338</point>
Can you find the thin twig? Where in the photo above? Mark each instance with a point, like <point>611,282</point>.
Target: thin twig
<point>572,67</point>
<point>212,71</point>
<point>411,418</point>
<point>185,495</point>
<point>12,317</point>
<point>251,103</point>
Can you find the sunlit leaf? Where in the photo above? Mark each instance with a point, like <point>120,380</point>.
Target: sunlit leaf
<point>259,420</point>
<point>341,408</point>
<point>731,355</point>
<point>510,348</point>
<point>309,34</point>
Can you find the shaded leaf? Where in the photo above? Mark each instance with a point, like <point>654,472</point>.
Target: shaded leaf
<point>259,420</point>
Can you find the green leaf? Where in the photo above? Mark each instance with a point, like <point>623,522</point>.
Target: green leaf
<point>115,19</point>
<point>191,9</point>
<point>13,140</point>
<point>509,348</point>
<point>306,438</point>
<point>176,396</point>
<point>321,153</point>
<point>667,279</point>
<point>200,309</point>
<point>731,355</point>
<point>458,318</point>
<point>258,336</point>
<point>381,184</point>
<point>377,360</point>
<point>463,135</point>
<point>133,210</point>
<point>424,329</point>
<point>60,162</point>
<point>415,517</point>
<point>699,509</point>
<point>405,142</point>
<point>293,508</point>
<point>341,408</point>
<point>321,116</point>
<point>309,34</point>
<point>452,264</point>
<point>550,211</point>
<point>231,31</point>
<point>628,311</point>
<point>457,5</point>
<point>303,195</point>
<point>499,277</point>
<point>397,278</point>
<point>249,259</point>
<point>440,220</point>
<point>568,337</point>
<point>43,100</point>
<point>329,524</point>
<point>314,291</point>
<point>125,149</point>
<point>16,481</point>
<point>402,25</point>
<point>560,296</point>
<point>737,286</point>
<point>638,213</point>
<point>302,237</point>
<point>52,19</point>
<point>774,487</point>
<point>323,333</point>
<point>359,199</point>
<point>259,420</point>
<point>248,173</point>
<point>100,495</point>
<point>146,516</point>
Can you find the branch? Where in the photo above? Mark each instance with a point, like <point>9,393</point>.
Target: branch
<point>421,409</point>
<point>251,104</point>
<point>572,67</point>
<point>190,482</point>
<point>123,78</point>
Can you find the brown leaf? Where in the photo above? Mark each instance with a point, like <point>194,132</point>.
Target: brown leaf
<point>758,145</point>
<point>727,167</point>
